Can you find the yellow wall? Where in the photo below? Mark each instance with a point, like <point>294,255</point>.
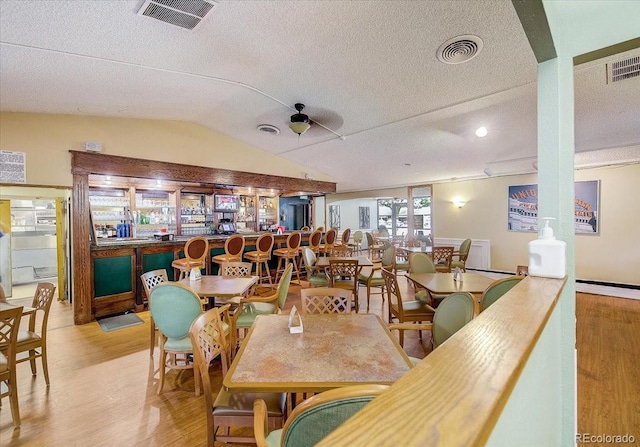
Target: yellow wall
<point>611,256</point>
<point>47,140</point>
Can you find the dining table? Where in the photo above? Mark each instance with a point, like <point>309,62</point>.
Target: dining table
<point>323,261</point>
<point>445,284</point>
<point>333,351</point>
<point>221,287</point>
<point>26,310</point>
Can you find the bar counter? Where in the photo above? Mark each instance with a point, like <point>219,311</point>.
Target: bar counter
<point>117,263</point>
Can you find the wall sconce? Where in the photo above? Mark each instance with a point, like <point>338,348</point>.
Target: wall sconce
<point>459,203</point>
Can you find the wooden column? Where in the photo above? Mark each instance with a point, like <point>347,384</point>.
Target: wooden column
<point>81,250</point>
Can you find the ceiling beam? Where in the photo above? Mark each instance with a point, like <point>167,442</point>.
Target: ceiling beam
<point>536,27</point>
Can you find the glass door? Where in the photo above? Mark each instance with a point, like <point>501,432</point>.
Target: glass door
<point>419,215</point>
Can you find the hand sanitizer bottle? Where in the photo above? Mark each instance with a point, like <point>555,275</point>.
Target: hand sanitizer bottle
<point>546,254</point>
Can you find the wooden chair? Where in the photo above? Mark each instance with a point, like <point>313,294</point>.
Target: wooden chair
<point>209,337</point>
<point>289,254</point>
<point>236,269</point>
<point>34,340</point>
<point>315,418</point>
<point>233,249</point>
<point>325,300</point>
<point>404,311</point>
<point>149,280</point>
<point>9,327</point>
<point>174,307</point>
<point>3,297</point>
<point>343,274</point>
<point>374,278</point>
<point>305,229</point>
<point>315,278</point>
<point>442,258</point>
<point>422,263</point>
<point>342,248</point>
<point>374,249</point>
<point>261,256</point>
<point>330,237</point>
<point>462,255</point>
<point>196,250</point>
<point>356,245</point>
<point>496,289</point>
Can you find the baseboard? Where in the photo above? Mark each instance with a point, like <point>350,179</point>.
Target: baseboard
<point>619,290</point>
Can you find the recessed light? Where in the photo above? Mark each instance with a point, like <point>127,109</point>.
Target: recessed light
<point>481,132</point>
<point>268,128</point>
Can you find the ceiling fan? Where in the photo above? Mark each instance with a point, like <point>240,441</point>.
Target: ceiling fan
<point>300,122</point>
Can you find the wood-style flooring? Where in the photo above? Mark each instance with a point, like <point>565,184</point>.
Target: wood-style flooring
<point>103,384</point>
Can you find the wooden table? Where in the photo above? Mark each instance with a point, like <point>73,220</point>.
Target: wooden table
<point>410,250</point>
<point>443,284</point>
<point>25,310</point>
<point>323,261</point>
<point>223,287</point>
<point>333,351</point>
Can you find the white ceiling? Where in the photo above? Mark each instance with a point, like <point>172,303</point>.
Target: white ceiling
<point>365,69</point>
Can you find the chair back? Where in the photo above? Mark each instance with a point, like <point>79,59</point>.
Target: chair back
<point>442,258</point>
<point>421,263</point>
<point>196,249</point>
<point>173,307</point>
<point>293,242</point>
<point>346,235</point>
<point>305,228</point>
<point>316,417</point>
<point>314,240</point>
<point>264,244</point>
<point>389,257</point>
<point>283,286</point>
<point>496,289</point>
<point>309,259</point>
<point>236,269</point>
<point>343,271</point>
<point>234,246</point>
<point>3,297</point>
<point>42,300</point>
<point>330,237</point>
<point>370,240</point>
<point>151,279</point>
<point>465,246</point>
<point>451,315</point>
<point>325,300</point>
<point>391,286</point>
<point>9,326</point>
<point>357,237</point>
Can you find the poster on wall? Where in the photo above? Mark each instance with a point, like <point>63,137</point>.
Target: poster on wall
<point>523,207</point>
<point>334,216</point>
<point>13,167</point>
<point>364,221</point>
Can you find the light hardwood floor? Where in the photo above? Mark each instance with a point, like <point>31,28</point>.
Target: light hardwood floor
<point>103,384</point>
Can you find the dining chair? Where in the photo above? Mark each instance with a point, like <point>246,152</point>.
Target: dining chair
<point>209,334</point>
<point>34,339</point>
<point>343,274</point>
<point>315,278</point>
<point>374,248</point>
<point>314,418</point>
<point>441,256</point>
<point>261,256</point>
<point>462,255</point>
<point>496,289</point>
<point>314,241</point>
<point>174,307</point>
<point>251,306</point>
<point>342,248</point>
<point>289,254</point>
<point>374,278</point>
<point>195,250</point>
<point>236,269</point>
<point>305,228</point>
<point>356,245</point>
<point>149,280</point>
<point>9,327</point>
<point>421,263</point>
<point>325,300</point>
<point>326,248</point>
<point>404,311</point>
<point>233,249</point>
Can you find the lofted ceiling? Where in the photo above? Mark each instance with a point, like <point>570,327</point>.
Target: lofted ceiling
<point>366,70</point>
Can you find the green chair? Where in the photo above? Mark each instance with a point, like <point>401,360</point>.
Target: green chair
<point>374,249</point>
<point>374,278</point>
<point>173,307</point>
<point>496,289</point>
<point>208,335</point>
<point>356,245</point>
<point>422,263</point>
<point>149,280</point>
<point>463,254</point>
<point>316,417</point>
<point>314,278</point>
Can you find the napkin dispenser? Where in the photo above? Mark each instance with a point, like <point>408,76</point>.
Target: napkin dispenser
<point>295,321</point>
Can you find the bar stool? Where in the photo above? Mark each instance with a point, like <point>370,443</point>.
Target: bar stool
<point>233,248</point>
<point>289,254</point>
<point>326,249</point>
<point>343,248</point>
<point>195,252</point>
<point>314,241</point>
<point>262,255</point>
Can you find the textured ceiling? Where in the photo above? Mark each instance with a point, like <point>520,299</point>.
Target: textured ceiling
<point>365,69</point>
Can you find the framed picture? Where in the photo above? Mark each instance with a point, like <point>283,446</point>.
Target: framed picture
<point>523,207</point>
<point>334,216</point>
<point>364,220</point>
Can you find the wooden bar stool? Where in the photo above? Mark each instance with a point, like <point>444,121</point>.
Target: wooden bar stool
<point>342,248</point>
<point>289,254</point>
<point>233,248</point>
<point>262,255</point>
<point>330,237</point>
<point>195,252</point>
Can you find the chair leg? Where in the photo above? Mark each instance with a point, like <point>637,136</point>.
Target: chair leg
<point>266,266</point>
<point>368,296</point>
<point>163,359</point>
<point>13,400</point>
<point>196,379</point>
<point>45,364</point>
<point>152,343</point>
<point>32,361</point>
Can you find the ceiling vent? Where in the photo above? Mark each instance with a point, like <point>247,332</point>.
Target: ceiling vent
<point>183,13</point>
<point>269,128</point>
<point>621,70</point>
<point>459,49</point>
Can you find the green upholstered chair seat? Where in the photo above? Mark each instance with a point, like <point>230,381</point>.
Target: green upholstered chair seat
<point>251,310</point>
<point>273,439</point>
<point>178,344</point>
<point>318,280</point>
<point>423,295</point>
<point>241,404</point>
<point>402,266</point>
<point>415,307</point>
<point>376,280</point>
<point>458,264</point>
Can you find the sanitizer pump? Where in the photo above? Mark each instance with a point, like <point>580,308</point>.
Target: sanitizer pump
<point>546,254</point>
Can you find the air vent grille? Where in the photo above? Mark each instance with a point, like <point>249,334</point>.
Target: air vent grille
<point>621,70</point>
<point>459,49</point>
<point>183,13</point>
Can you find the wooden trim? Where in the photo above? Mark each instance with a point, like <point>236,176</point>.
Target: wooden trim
<point>455,396</point>
<point>607,51</point>
<point>81,253</point>
<point>536,26</point>
<point>92,163</point>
